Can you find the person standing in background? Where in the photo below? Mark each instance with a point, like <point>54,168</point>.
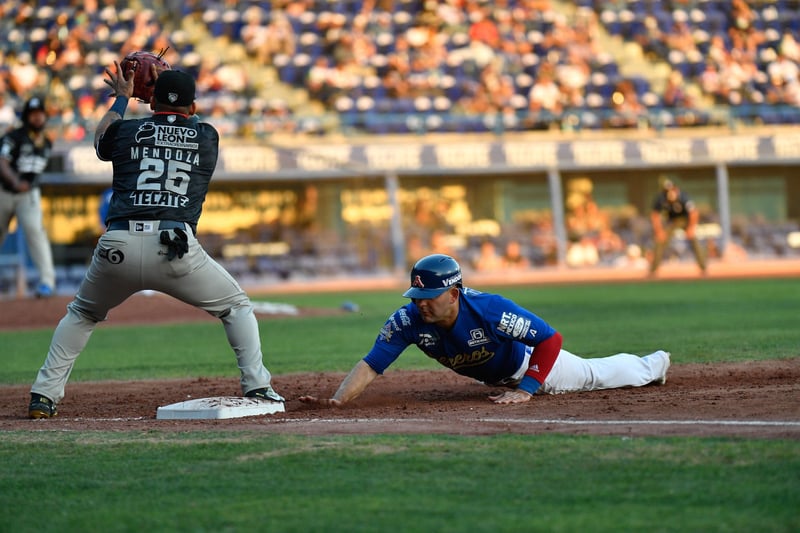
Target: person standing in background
<point>24,154</point>
<point>680,213</point>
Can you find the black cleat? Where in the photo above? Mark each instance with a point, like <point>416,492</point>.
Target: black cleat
<point>265,393</point>
<point>41,407</point>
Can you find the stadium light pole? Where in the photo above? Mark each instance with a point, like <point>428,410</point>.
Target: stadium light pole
<point>398,240</point>
<point>723,199</point>
<point>559,220</point>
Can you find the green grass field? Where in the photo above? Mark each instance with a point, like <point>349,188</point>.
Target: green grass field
<point>243,481</point>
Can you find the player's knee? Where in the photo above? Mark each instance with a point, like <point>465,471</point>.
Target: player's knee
<point>240,308</point>
<point>82,314</point>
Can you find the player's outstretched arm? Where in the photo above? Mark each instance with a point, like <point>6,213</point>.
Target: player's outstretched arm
<point>354,384</point>
<point>121,88</point>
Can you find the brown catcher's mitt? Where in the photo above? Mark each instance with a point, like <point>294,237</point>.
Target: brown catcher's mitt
<point>143,80</point>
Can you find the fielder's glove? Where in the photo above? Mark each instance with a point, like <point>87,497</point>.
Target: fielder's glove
<point>140,63</point>
<point>175,247</point>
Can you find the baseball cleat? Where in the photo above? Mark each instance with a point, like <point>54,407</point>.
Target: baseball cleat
<point>41,407</point>
<point>44,291</point>
<point>265,393</point>
<point>663,379</point>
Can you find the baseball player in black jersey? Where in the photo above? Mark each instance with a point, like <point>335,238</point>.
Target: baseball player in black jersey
<point>680,213</point>
<point>162,168</point>
<point>24,153</point>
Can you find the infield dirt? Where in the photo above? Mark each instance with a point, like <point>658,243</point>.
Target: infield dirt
<point>750,399</point>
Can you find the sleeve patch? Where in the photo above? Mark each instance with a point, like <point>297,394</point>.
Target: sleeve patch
<point>386,333</point>
<point>395,323</point>
<point>514,325</point>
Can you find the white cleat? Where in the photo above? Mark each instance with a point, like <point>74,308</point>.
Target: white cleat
<point>662,380</point>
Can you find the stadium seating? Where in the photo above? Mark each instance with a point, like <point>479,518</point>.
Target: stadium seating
<point>42,41</point>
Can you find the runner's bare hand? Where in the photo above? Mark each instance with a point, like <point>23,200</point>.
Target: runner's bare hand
<point>325,402</point>
<point>512,396</point>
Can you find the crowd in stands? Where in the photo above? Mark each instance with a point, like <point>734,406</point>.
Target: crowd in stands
<point>522,65</point>
<point>412,65</point>
<point>471,65</point>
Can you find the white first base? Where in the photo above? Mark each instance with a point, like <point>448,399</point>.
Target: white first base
<point>217,408</point>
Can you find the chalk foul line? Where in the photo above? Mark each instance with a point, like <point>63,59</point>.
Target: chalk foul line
<point>552,421</point>
<point>569,421</point>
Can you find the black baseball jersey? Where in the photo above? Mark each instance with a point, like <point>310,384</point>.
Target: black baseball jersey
<point>678,208</point>
<point>162,167</point>
<point>24,156</point>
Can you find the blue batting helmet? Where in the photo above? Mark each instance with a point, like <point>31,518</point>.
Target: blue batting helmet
<point>432,275</point>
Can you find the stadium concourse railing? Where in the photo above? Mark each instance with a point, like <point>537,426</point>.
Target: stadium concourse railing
<point>657,118</point>
<point>424,119</point>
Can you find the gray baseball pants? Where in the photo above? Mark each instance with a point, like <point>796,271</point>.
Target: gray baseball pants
<point>128,261</point>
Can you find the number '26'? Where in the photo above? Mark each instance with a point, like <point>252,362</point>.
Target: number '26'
<point>152,170</point>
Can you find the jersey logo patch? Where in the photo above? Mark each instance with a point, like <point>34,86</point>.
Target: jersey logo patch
<point>146,131</point>
<point>112,255</point>
<point>477,337</point>
<point>172,136</point>
<point>386,333</point>
<point>426,340</point>
<point>144,227</point>
<point>405,320</point>
<point>514,325</point>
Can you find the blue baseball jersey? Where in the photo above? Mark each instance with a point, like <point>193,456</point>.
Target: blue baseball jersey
<point>487,342</point>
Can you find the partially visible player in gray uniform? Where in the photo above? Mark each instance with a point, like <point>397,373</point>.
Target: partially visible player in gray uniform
<point>24,153</point>
<point>162,168</point>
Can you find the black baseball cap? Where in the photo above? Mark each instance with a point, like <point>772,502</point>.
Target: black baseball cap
<point>174,88</point>
<point>35,103</point>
